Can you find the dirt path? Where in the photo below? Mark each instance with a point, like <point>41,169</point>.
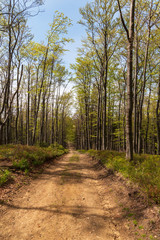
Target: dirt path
<point>68,202</point>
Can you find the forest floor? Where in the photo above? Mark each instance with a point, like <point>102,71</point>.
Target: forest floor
<point>75,198</point>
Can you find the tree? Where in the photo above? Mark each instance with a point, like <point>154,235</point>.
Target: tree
<point>130,39</point>
<point>13,22</point>
<point>99,18</point>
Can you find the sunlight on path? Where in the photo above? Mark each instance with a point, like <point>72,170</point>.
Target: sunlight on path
<point>64,203</point>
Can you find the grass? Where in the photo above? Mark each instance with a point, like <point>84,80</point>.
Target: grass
<point>5,175</point>
<point>82,151</point>
<point>145,170</point>
<point>74,158</point>
<point>135,222</point>
<point>151,237</point>
<point>25,158</point>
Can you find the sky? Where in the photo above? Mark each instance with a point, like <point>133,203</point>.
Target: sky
<point>40,24</point>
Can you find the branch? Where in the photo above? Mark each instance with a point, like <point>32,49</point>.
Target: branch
<point>114,49</point>
<point>122,19</point>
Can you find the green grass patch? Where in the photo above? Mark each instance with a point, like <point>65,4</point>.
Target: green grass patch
<point>25,158</point>
<point>74,158</point>
<point>5,175</point>
<point>82,151</point>
<point>144,170</point>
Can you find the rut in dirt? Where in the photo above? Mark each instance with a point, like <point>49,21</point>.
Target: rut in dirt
<point>68,201</point>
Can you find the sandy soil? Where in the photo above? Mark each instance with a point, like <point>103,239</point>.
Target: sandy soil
<point>74,200</point>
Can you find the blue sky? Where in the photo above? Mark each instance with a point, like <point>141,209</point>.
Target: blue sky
<point>40,23</point>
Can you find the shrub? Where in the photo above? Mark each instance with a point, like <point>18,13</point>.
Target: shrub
<point>44,145</point>
<point>26,157</point>
<point>82,151</point>
<point>21,164</point>
<point>5,175</point>
<point>145,170</point>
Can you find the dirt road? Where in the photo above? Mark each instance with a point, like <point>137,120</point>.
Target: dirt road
<point>69,201</point>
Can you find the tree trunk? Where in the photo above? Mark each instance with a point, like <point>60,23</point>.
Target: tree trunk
<point>129,109</point>
<point>144,84</point>
<point>28,108</point>
<point>98,120</point>
<point>158,117</point>
<point>135,96</point>
<point>17,114</point>
<point>129,140</point>
<point>147,125</point>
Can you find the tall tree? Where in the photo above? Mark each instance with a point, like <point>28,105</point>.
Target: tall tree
<point>129,109</point>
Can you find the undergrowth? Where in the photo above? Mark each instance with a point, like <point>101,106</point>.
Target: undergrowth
<point>82,151</point>
<point>5,175</point>
<point>25,158</point>
<point>144,170</point>
<point>74,158</point>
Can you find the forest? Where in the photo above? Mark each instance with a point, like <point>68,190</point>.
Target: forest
<point>115,78</point>
<point>80,144</point>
